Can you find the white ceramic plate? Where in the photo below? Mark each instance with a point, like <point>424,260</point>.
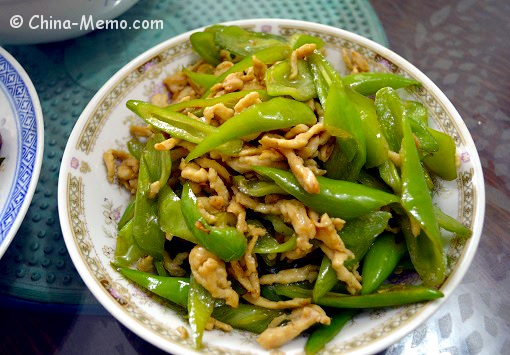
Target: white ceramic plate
<point>22,130</point>
<point>89,206</point>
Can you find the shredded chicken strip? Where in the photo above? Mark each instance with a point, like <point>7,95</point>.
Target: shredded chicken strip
<point>305,176</point>
<point>211,273</point>
<point>254,204</point>
<point>342,273</point>
<point>268,157</point>
<point>218,186</point>
<point>306,273</point>
<point>213,323</point>
<point>299,141</point>
<point>238,209</point>
<point>264,302</point>
<point>140,131</point>
<point>223,67</point>
<point>174,266</point>
<point>251,98</point>
<point>160,100</point>
<point>167,144</point>
<point>259,68</point>
<point>192,171</point>
<point>210,163</point>
<point>294,212</point>
<point>300,320</point>
<point>219,111</point>
<point>301,52</point>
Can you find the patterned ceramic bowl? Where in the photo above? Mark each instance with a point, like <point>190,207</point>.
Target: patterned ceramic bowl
<point>90,207</point>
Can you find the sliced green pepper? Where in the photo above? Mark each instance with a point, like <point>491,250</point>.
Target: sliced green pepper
<point>299,39</point>
<point>381,260</point>
<point>154,166</point>
<point>390,175</point>
<point>257,188</point>
<point>326,279</point>
<point>279,225</point>
<point>442,162</point>
<point>175,289</point>
<point>268,245</point>
<point>338,198</point>
<point>201,80</point>
<point>358,234</point>
<point>128,214</point>
<point>228,100</point>
<point>274,114</point>
<point>269,55</point>
<point>170,215</point>
<point>451,224</point>
<point>225,242</point>
<point>135,148</point>
<point>394,295</point>
<point>203,43</point>
<point>126,250</point>
<point>376,144</point>
<point>244,43</point>
<point>417,202</point>
<point>279,83</point>
<point>200,307</point>
<point>370,82</point>
<point>323,334</point>
<point>178,125</point>
<point>246,317</point>
<point>390,110</point>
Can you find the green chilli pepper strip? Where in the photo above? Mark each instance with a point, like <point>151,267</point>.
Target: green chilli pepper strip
<point>244,43</point>
<point>358,234</point>
<point>126,250</point>
<point>323,334</point>
<point>390,175</point>
<point>371,82</point>
<point>246,317</point>
<point>228,100</point>
<point>299,39</point>
<point>175,289</point>
<point>268,56</point>
<point>427,257</point>
<point>202,80</point>
<point>338,198</point>
<point>326,279</point>
<point>128,214</point>
<point>451,224</point>
<point>343,117</point>
<point>257,188</point>
<point>279,225</point>
<point>376,144</point>
<point>225,242</point>
<point>390,110</point>
<point>204,44</point>
<point>417,110</point>
<point>154,166</point>
<point>278,82</point>
<point>372,180</point>
<point>268,245</point>
<point>386,297</point>
<point>394,296</point>
<point>266,116</point>
<point>426,141</point>
<point>170,215</point>
<point>443,161</point>
<point>381,260</point>
<point>178,125</point>
<point>135,148</point>
<point>417,202</point>
<point>200,307</point>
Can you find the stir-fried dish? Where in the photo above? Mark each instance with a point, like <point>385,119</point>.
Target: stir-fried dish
<point>275,195</point>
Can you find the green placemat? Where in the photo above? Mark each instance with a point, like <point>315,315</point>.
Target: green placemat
<point>66,75</point>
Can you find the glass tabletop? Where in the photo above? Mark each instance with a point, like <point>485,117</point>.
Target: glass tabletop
<point>460,44</point>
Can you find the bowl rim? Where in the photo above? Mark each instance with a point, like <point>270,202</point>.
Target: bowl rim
<point>36,167</point>
<point>392,337</point>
